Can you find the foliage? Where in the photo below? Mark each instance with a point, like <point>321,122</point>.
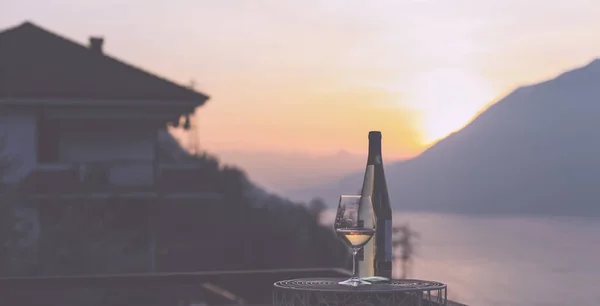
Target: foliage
<point>8,163</point>
<point>248,229</point>
<point>18,231</point>
<point>404,238</point>
<point>90,237</point>
<point>316,206</point>
<point>270,231</point>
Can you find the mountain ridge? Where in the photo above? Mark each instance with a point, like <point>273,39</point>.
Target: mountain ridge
<point>534,151</point>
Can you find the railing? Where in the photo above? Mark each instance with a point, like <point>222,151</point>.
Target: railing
<point>250,287</point>
<point>132,177</point>
<point>243,287</point>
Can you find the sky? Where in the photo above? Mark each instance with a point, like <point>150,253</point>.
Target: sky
<point>314,76</point>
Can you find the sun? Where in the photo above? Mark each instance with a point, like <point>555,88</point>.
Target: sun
<point>447,100</point>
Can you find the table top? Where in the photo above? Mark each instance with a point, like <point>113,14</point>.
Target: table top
<point>331,284</point>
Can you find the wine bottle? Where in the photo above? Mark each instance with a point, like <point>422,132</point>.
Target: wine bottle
<point>376,259</point>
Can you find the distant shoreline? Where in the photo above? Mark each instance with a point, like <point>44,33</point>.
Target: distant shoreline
<point>485,215</point>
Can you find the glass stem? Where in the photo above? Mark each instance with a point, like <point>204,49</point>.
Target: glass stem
<point>354,272</point>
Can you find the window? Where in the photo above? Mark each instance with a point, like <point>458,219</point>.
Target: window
<point>48,141</point>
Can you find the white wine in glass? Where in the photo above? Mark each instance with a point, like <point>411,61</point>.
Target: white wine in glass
<point>353,231</point>
<point>355,238</point>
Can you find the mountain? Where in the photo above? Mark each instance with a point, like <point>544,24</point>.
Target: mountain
<point>535,151</point>
<point>278,171</point>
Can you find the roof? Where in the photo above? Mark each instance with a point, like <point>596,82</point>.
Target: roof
<point>38,64</point>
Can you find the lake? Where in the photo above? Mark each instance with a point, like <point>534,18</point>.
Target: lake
<point>494,261</point>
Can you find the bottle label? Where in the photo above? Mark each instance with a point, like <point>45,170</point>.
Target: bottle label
<point>388,240</point>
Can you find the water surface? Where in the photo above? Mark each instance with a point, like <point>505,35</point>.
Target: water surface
<point>495,261</point>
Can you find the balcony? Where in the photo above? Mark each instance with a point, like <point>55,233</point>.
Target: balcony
<point>238,287</point>
<point>132,178</point>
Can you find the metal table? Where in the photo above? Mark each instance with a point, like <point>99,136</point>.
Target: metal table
<point>327,292</point>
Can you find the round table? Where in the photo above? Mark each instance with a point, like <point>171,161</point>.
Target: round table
<point>327,292</point>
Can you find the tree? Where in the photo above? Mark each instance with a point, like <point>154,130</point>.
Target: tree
<point>316,207</point>
<point>403,238</point>
<point>94,237</point>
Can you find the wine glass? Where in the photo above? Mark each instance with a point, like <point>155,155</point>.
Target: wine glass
<point>350,226</point>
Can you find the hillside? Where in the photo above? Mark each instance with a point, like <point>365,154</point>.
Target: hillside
<point>534,151</point>
<point>250,229</point>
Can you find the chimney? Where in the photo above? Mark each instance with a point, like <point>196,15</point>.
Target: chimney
<point>96,44</point>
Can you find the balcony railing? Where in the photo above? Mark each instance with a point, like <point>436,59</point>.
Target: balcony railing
<point>251,287</point>
<point>241,287</point>
<point>132,177</point>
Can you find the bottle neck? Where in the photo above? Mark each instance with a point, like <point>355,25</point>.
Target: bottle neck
<point>374,157</point>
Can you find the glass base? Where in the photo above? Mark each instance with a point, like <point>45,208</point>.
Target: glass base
<point>354,282</point>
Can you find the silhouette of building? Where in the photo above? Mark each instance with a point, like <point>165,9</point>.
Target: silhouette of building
<point>83,123</point>
<point>85,127</point>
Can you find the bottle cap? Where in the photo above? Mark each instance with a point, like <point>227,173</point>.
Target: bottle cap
<point>374,134</point>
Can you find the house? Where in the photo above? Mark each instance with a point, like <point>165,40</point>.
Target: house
<point>80,122</point>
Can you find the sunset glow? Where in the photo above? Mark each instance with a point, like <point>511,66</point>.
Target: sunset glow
<point>314,76</point>
<point>448,99</point>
